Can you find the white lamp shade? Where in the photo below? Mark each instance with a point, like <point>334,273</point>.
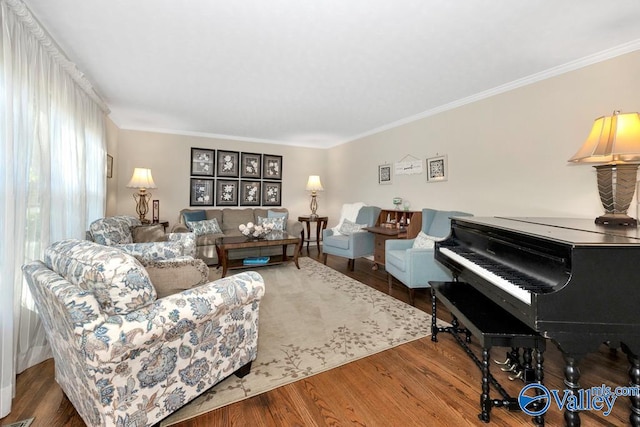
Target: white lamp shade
<point>314,184</point>
<point>141,179</point>
<point>613,138</point>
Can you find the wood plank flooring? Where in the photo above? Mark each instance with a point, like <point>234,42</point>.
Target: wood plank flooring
<point>420,383</point>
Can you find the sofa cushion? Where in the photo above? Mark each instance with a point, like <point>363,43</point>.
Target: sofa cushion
<point>148,233</point>
<point>208,226</point>
<point>194,216</point>
<point>232,218</point>
<point>113,230</point>
<point>118,281</point>
<point>340,241</point>
<point>176,275</point>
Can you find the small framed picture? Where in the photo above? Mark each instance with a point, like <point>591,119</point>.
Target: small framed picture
<point>250,165</point>
<point>109,166</point>
<point>384,174</point>
<point>271,167</point>
<point>437,169</point>
<point>201,192</point>
<point>202,162</point>
<point>250,193</point>
<point>271,193</point>
<point>156,211</point>
<point>228,164</point>
<point>226,193</point>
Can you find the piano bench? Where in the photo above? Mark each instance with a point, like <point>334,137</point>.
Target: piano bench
<point>492,326</point>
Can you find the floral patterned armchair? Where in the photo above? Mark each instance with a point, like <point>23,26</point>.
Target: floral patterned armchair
<point>124,357</point>
<point>117,231</point>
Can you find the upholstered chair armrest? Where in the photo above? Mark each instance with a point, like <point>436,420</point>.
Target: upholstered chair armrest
<point>294,227</point>
<point>363,242</point>
<point>170,276</point>
<point>180,228</point>
<point>327,233</point>
<point>398,244</point>
<point>150,251</point>
<point>169,322</point>
<point>187,240</point>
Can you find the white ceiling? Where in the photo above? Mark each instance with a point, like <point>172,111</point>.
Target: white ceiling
<point>321,72</point>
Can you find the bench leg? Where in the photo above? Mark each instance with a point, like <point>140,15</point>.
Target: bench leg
<point>485,399</point>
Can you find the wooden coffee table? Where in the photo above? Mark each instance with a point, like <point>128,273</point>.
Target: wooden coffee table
<point>225,244</point>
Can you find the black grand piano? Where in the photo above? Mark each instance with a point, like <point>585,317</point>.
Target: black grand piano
<point>571,280</point>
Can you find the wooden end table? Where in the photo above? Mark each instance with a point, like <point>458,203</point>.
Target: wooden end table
<point>225,244</point>
<point>321,224</point>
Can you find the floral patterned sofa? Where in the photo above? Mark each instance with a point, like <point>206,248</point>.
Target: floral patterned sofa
<point>119,231</point>
<point>124,357</point>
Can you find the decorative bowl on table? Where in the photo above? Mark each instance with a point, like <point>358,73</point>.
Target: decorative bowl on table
<point>255,231</point>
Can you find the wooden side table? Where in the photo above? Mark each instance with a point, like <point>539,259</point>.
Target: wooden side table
<point>321,224</point>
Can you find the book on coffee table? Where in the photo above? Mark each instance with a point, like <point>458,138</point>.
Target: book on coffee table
<point>256,260</point>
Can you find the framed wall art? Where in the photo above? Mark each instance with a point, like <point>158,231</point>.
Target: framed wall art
<point>228,164</point>
<point>271,193</point>
<point>156,210</point>
<point>109,166</point>
<point>271,167</point>
<point>384,174</point>
<point>437,169</point>
<point>201,191</point>
<point>250,165</point>
<point>250,193</point>
<point>226,193</point>
<point>202,162</point>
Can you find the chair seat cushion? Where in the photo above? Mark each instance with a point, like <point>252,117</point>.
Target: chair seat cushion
<point>397,258</point>
<point>341,241</point>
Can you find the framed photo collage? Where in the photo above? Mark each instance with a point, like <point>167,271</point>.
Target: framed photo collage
<point>233,178</point>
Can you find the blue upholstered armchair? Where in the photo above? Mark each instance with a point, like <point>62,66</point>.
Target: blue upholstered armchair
<point>356,244</point>
<point>415,267</point>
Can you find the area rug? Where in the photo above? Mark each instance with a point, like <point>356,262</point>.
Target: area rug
<point>312,320</point>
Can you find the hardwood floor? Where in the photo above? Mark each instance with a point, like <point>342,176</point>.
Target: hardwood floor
<point>420,383</point>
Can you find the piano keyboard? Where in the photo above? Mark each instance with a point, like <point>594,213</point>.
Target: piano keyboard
<point>510,280</point>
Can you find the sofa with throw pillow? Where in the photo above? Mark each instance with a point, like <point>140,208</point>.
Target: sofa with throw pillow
<point>412,261</point>
<point>210,224</point>
<point>145,242</point>
<point>125,357</point>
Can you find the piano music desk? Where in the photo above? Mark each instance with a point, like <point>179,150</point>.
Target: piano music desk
<point>492,326</point>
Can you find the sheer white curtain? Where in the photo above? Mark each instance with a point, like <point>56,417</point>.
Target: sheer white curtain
<point>52,174</point>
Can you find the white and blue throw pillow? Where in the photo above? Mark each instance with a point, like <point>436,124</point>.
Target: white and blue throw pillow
<point>349,227</point>
<point>278,223</point>
<point>284,215</point>
<point>208,226</point>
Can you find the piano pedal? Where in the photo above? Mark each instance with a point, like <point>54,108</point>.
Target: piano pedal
<point>510,368</point>
<point>506,362</point>
<point>518,376</point>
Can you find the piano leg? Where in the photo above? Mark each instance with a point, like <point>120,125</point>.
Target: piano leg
<point>485,398</point>
<point>571,380</point>
<point>634,381</point>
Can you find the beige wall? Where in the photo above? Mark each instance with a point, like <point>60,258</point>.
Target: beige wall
<point>112,183</point>
<point>507,154</point>
<point>168,156</point>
